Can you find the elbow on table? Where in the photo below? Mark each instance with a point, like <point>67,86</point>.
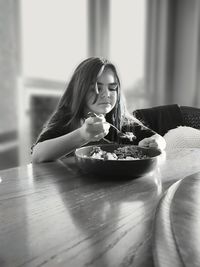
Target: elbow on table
<point>38,156</point>
<point>37,159</point>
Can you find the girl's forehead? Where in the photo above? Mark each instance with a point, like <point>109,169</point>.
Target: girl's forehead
<point>107,76</point>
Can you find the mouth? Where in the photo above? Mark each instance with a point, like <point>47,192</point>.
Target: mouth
<point>105,103</point>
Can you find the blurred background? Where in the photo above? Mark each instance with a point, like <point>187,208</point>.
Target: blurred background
<point>155,45</point>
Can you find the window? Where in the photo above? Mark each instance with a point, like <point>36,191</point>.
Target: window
<point>127,46</point>
<point>54,37</point>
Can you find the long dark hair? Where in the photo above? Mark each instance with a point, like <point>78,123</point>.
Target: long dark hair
<point>72,103</point>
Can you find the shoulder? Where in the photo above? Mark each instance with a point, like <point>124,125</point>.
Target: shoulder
<point>59,119</point>
<point>56,126</point>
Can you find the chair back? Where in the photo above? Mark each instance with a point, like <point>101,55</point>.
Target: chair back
<point>191,116</point>
<point>163,118</point>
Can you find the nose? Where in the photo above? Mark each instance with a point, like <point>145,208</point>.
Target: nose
<point>105,92</point>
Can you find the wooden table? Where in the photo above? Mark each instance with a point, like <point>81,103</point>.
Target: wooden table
<point>177,225</point>
<point>50,215</point>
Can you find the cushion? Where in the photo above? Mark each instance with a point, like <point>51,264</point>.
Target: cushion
<point>182,137</point>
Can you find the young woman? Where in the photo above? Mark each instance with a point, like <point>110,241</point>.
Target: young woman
<point>91,102</point>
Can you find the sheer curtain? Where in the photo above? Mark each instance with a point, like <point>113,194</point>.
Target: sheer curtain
<point>172,52</point>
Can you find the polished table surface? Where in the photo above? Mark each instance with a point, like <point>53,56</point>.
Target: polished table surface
<point>177,225</point>
<point>51,215</point>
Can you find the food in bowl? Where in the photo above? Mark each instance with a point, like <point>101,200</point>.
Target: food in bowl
<point>120,153</point>
<point>112,160</point>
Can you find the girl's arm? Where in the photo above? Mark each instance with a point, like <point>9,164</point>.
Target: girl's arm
<point>93,129</point>
<point>52,149</point>
<point>147,137</point>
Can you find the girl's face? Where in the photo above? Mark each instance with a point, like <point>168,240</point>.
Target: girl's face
<point>103,99</point>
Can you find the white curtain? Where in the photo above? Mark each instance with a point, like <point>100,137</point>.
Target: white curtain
<point>172,52</point>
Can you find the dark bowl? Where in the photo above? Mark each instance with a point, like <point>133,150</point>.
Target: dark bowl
<point>116,168</point>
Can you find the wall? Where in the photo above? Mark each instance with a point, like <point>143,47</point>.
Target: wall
<point>8,67</point>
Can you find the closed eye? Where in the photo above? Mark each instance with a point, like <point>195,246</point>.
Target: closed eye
<point>111,86</point>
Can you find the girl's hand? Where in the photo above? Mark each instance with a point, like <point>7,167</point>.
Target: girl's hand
<point>155,141</point>
<point>94,128</point>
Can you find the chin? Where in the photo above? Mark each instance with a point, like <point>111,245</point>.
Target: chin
<point>104,111</point>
